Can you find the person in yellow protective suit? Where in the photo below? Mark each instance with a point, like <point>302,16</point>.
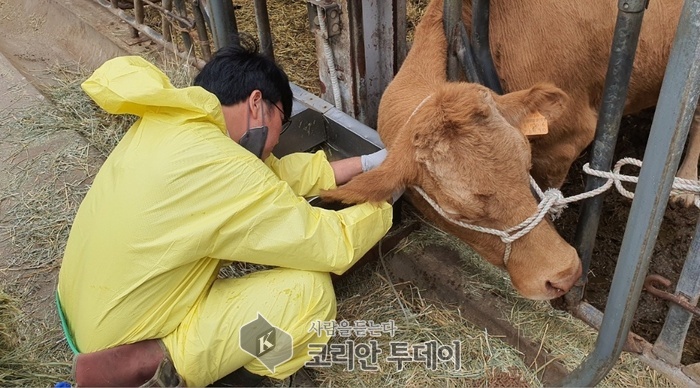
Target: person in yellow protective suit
<point>178,198</point>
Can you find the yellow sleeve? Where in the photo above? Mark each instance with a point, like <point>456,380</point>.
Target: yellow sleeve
<point>271,225</point>
<point>306,173</point>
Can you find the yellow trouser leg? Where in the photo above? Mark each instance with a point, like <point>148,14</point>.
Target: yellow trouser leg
<point>206,346</point>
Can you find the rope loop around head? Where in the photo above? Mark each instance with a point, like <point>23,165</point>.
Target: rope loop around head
<point>507,236</point>
<point>553,202</point>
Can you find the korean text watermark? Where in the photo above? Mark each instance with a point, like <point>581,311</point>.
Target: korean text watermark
<point>365,355</point>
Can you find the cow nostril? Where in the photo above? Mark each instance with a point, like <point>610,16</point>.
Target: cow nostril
<point>554,288</point>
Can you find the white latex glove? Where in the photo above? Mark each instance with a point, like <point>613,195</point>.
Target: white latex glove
<point>396,195</point>
<point>373,160</point>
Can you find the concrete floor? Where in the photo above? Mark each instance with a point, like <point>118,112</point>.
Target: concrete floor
<point>35,36</point>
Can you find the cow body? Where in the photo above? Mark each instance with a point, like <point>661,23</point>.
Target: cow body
<point>461,144</point>
<point>568,44</point>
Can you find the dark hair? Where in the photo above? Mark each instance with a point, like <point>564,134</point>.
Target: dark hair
<point>237,70</point>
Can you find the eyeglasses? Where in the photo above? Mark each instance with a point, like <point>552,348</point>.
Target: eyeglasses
<point>286,122</point>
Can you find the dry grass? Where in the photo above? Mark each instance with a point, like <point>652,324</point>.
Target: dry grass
<point>42,200</point>
<point>292,40</point>
<point>486,360</point>
<point>27,356</point>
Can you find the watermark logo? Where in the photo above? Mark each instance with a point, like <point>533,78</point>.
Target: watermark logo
<point>271,345</point>
<point>367,349</point>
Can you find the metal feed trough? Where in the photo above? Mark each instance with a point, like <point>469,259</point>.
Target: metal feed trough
<point>369,44</point>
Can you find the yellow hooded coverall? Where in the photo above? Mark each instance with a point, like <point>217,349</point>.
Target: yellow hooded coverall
<point>175,200</point>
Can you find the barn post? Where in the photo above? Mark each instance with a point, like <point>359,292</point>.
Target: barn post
<point>262,20</point>
<point>624,46</point>
<point>451,21</point>
<point>669,343</point>
<point>677,102</point>
<point>366,38</point>
<point>222,21</point>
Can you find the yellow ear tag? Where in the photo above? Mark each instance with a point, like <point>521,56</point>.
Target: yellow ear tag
<point>534,124</point>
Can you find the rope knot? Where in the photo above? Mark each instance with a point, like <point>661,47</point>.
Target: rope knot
<point>554,199</point>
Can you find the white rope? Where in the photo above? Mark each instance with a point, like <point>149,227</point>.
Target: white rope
<point>553,202</point>
<point>333,73</point>
<point>679,186</point>
<point>552,199</point>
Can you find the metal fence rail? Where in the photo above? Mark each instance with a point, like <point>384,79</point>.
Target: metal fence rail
<point>184,25</point>
<point>677,102</point>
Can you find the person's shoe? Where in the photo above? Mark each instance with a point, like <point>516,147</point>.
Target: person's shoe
<point>241,377</point>
<point>165,376</point>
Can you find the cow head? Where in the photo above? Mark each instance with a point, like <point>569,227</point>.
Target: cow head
<point>462,146</point>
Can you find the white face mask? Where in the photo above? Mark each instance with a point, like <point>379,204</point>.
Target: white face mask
<point>254,139</point>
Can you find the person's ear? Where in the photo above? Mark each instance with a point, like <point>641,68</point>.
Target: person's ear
<point>255,102</point>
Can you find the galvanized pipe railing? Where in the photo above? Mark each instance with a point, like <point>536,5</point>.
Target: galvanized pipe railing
<point>138,15</point>
<point>677,102</point>
<point>262,19</point>
<point>465,55</point>
<point>186,38</point>
<point>165,23</point>
<point>152,34</point>
<point>481,45</point>
<point>400,45</point>
<point>202,34</point>
<point>451,18</point>
<point>669,343</point>
<point>624,46</point>
<point>477,67</point>
<point>222,22</point>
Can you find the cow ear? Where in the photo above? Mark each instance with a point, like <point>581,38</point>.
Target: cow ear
<point>376,185</point>
<point>532,109</point>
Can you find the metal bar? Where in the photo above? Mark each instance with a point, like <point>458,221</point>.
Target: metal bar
<point>669,343</point>
<point>480,44</point>
<point>594,318</point>
<point>223,25</point>
<point>677,102</point>
<point>400,44</point>
<point>153,35</point>
<point>452,16</point>
<point>202,34</point>
<point>167,13</point>
<point>465,54</point>
<point>186,38</point>
<point>624,45</point>
<point>378,30</point>
<point>635,344</point>
<point>356,43</point>
<point>165,23</point>
<point>262,19</point>
<point>138,13</point>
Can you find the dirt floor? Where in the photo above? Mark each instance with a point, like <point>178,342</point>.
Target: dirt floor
<point>671,248</point>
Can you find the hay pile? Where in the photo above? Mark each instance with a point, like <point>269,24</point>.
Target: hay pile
<point>27,354</point>
<point>293,42</point>
<point>486,360</point>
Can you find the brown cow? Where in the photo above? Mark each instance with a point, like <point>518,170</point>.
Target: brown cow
<point>461,146</point>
